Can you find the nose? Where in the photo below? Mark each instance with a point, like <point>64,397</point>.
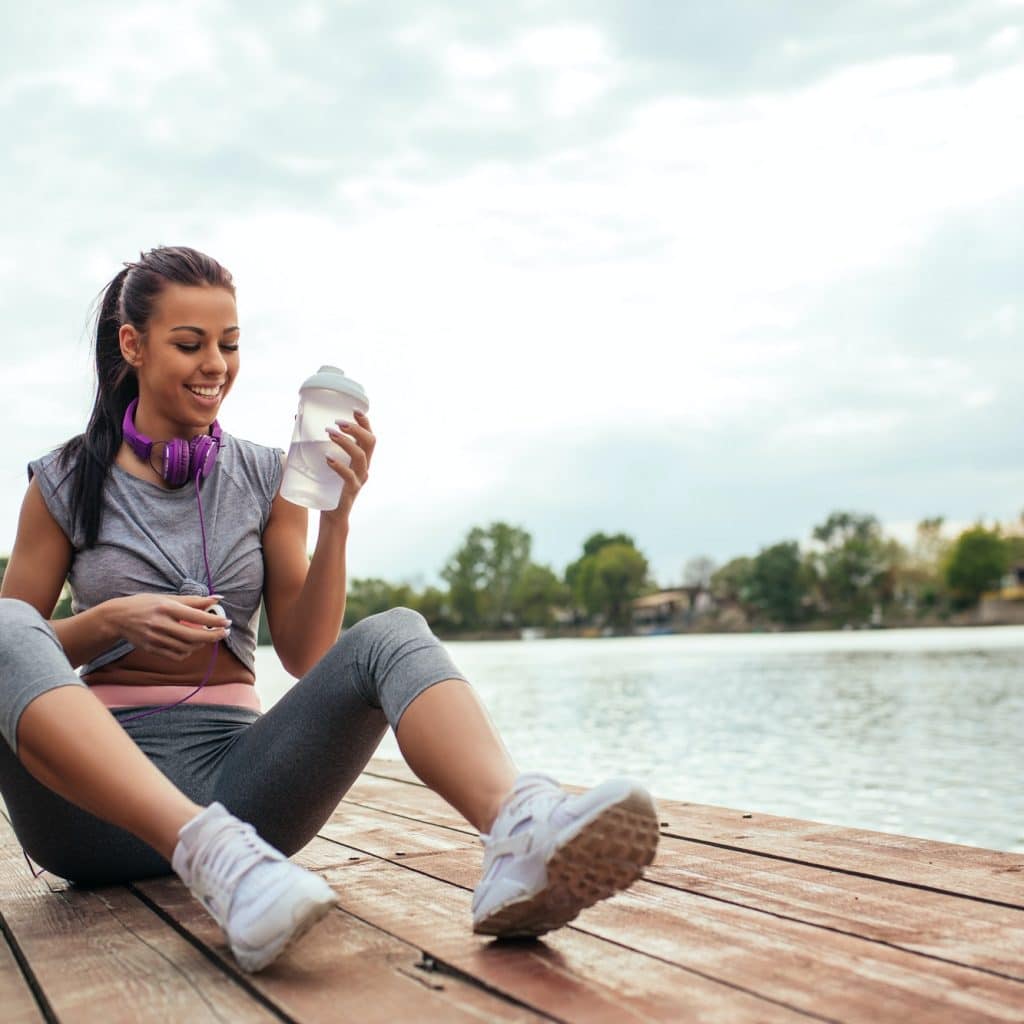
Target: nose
<point>215,365</point>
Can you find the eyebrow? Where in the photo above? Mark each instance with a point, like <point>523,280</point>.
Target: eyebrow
<point>201,332</point>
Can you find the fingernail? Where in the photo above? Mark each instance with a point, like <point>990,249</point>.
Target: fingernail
<point>343,423</point>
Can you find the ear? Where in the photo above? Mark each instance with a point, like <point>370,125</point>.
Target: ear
<point>131,345</point>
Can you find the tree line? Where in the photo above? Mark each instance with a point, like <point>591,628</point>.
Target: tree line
<point>849,573</point>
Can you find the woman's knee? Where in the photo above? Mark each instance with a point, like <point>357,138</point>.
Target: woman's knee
<point>15,612</point>
<point>18,618</point>
<point>393,624</point>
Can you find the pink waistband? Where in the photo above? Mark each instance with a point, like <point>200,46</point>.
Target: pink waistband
<point>116,695</point>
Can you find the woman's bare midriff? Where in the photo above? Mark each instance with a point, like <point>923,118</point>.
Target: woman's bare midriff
<point>154,670</point>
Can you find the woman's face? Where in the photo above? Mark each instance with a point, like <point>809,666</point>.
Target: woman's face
<point>187,362</point>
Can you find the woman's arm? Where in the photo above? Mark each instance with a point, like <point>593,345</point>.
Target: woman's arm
<point>305,600</point>
<point>38,568</point>
<point>36,573</point>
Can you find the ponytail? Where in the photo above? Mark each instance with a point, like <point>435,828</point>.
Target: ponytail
<point>129,298</point>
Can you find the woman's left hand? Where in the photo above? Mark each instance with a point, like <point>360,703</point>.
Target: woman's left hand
<point>358,440</point>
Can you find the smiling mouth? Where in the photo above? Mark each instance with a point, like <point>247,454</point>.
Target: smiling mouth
<point>204,392</point>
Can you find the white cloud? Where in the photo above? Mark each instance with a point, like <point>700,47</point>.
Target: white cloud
<point>661,268</point>
<point>574,62</point>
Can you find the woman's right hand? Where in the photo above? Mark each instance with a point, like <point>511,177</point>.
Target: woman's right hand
<point>170,625</point>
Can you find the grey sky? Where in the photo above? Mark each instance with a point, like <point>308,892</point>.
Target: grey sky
<point>698,272</point>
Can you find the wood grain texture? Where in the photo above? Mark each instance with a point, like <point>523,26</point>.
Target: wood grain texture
<point>91,948</point>
<point>569,975</point>
<point>345,969</point>
<point>739,919</point>
<point>853,978</point>
<point>959,930</point>
<point>971,871</point>
<point>17,1004</point>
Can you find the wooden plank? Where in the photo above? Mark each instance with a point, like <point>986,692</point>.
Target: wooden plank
<point>570,976</point>
<point>775,957</point>
<point>345,969</point>
<point>960,930</point>
<point>101,948</point>
<point>19,1005</point>
<point>972,871</point>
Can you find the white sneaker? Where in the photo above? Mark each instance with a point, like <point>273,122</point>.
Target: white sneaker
<point>549,854</point>
<point>261,899</point>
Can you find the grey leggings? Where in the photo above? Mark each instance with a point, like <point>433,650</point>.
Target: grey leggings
<point>284,770</point>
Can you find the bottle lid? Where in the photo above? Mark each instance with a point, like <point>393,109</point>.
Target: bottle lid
<point>334,379</point>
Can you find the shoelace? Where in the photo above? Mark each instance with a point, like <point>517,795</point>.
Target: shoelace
<point>229,850</point>
<point>539,786</point>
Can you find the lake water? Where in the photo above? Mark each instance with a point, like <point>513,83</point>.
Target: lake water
<point>919,732</point>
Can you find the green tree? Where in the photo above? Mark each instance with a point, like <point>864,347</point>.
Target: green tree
<point>921,579</point>
<point>732,581</point>
<point>432,604</point>
<point>852,566</point>
<point>484,572</point>
<point>610,573</point>
<point>591,546</point>
<point>778,583</point>
<point>977,561</point>
<point>537,591</point>
<point>369,596</point>
<point>466,574</point>
<point>620,574</point>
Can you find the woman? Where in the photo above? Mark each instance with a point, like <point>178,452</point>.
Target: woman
<point>169,532</point>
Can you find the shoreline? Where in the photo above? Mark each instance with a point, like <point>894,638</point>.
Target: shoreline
<point>964,621</point>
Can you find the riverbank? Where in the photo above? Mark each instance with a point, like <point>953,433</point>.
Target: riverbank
<point>971,619</point>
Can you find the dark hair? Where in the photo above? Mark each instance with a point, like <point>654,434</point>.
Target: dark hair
<point>128,299</point>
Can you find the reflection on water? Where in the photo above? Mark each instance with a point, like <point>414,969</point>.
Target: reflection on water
<point>911,731</point>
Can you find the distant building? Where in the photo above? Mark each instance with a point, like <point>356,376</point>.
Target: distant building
<point>665,608</point>
<point>1006,605</point>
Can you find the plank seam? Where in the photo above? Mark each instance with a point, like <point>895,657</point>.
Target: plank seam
<point>177,968</point>
<point>853,872</point>
<point>593,935</point>
<point>754,853</point>
<point>28,974</point>
<point>234,973</point>
<point>839,931</point>
<point>744,906</point>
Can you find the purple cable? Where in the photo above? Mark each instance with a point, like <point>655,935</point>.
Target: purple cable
<point>216,645</point>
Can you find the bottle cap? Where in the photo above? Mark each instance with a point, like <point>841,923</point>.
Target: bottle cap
<point>333,379</point>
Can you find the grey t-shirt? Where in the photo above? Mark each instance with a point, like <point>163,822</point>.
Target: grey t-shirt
<point>150,539</point>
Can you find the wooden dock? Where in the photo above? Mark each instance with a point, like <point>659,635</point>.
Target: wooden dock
<point>742,917</point>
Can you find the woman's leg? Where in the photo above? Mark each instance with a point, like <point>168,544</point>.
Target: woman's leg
<point>288,771</point>
<point>65,754</point>
<point>547,854</point>
<point>450,716</point>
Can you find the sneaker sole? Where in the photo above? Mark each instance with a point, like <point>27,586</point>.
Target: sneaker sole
<point>305,915</point>
<point>602,857</point>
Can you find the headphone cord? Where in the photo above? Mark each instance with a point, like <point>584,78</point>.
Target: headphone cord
<point>216,645</point>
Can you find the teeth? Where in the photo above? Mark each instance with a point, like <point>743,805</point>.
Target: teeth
<point>205,392</point>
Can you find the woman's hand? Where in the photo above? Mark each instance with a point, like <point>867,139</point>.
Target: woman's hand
<point>170,625</point>
<point>358,440</point>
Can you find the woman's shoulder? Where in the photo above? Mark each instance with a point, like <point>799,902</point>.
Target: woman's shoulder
<point>248,454</point>
<point>255,466</point>
<point>57,464</point>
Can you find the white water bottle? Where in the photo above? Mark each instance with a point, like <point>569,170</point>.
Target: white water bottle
<point>323,398</point>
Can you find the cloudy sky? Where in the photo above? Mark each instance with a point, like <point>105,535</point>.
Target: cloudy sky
<point>698,272</point>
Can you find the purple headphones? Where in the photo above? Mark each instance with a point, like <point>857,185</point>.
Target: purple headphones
<point>183,460</point>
